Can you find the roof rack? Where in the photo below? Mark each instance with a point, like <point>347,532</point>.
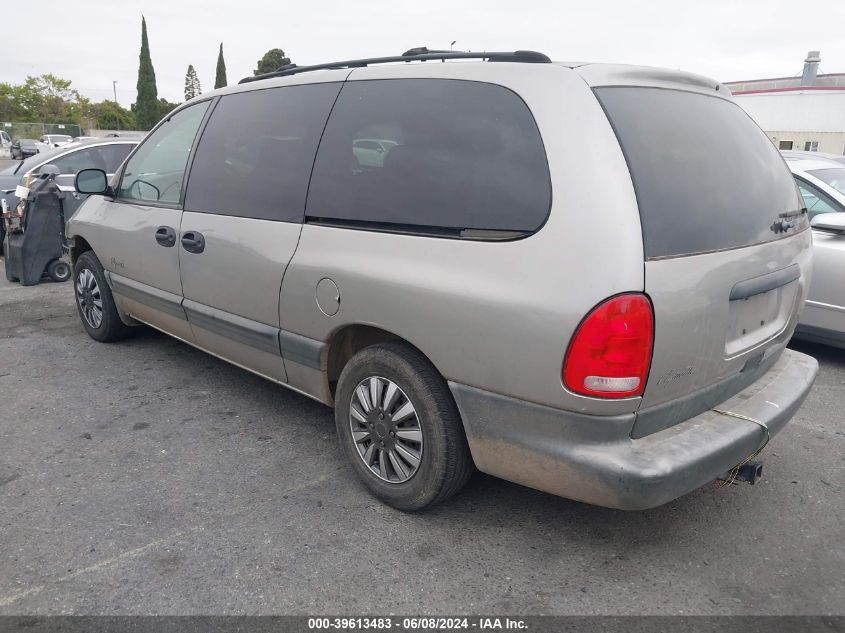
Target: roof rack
<point>420,54</point>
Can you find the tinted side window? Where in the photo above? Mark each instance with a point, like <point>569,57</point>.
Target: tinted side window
<point>433,154</point>
<point>89,158</point>
<point>155,171</point>
<point>256,153</point>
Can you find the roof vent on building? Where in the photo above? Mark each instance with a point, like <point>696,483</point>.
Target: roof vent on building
<point>811,68</point>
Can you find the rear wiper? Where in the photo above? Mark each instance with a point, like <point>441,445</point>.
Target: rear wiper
<point>792,214</point>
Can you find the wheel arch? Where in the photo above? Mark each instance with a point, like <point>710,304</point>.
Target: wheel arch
<point>349,339</point>
<point>80,245</point>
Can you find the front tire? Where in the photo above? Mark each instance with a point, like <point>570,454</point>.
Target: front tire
<point>400,428</point>
<point>94,301</point>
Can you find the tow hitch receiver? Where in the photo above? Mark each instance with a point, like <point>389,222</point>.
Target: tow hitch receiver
<point>750,472</point>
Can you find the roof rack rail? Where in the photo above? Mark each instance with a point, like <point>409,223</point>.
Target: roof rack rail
<point>420,54</point>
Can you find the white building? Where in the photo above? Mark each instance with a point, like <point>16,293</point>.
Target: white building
<point>804,112</point>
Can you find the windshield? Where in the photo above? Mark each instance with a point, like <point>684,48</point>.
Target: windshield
<point>11,169</point>
<point>58,138</point>
<point>834,177</point>
<point>25,142</point>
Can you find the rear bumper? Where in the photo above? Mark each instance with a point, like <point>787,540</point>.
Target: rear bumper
<point>594,459</point>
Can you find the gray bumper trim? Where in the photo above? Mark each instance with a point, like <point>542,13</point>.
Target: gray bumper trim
<point>240,329</point>
<point>593,459</point>
<point>301,349</point>
<point>160,300</point>
<point>653,419</point>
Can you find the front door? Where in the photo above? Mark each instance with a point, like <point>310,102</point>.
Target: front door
<point>243,214</point>
<point>135,235</point>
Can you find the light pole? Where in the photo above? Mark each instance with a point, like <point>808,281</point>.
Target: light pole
<point>116,104</point>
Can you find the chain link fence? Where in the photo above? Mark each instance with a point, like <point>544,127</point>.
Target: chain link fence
<point>36,130</point>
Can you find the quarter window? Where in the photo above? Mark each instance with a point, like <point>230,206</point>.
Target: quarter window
<point>256,153</point>
<point>155,172</point>
<point>433,156</point>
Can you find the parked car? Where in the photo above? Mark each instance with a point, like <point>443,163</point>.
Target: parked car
<point>48,141</point>
<point>605,327</point>
<point>797,155</point>
<point>822,185</point>
<point>23,148</point>
<point>103,154</point>
<point>5,140</point>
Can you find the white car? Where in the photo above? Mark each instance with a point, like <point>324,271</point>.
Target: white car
<point>821,182</point>
<point>794,154</point>
<point>371,152</point>
<point>48,141</point>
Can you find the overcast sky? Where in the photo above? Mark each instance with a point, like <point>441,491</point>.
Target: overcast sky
<point>96,42</point>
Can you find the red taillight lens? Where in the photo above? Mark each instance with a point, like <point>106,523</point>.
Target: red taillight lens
<point>610,354</point>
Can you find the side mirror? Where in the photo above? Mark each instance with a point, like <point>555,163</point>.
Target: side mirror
<point>91,181</point>
<point>833,222</point>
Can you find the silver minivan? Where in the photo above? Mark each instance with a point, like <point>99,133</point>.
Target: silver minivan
<point>578,277</point>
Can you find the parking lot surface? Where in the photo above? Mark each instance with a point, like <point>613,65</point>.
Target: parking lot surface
<point>147,477</point>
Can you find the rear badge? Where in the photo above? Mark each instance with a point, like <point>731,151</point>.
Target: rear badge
<point>676,374</point>
<point>787,221</point>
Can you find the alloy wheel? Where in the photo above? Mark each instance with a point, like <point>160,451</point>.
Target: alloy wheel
<point>386,429</point>
<point>89,298</point>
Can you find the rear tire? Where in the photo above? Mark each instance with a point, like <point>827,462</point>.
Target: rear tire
<point>94,301</point>
<point>444,464</point>
<point>59,270</point>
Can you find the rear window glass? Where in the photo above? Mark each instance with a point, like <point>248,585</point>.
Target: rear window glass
<point>706,177</point>
<point>433,156</point>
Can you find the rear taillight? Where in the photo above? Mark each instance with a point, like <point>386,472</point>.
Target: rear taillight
<point>610,354</point>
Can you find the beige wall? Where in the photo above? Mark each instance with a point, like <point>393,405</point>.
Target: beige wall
<point>829,142</point>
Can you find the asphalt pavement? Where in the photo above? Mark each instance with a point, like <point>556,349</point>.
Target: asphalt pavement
<point>145,477</point>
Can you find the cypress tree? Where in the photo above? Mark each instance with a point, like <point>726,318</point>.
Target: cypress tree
<point>146,104</point>
<point>220,76</point>
<point>192,84</point>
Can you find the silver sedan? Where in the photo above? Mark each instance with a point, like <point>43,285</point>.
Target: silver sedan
<point>821,182</point>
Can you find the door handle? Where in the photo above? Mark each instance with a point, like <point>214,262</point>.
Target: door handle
<point>193,241</point>
<point>166,236</point>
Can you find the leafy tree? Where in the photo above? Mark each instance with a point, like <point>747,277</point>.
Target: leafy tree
<point>273,60</point>
<point>165,107</point>
<point>220,75</point>
<point>11,106</point>
<point>109,115</point>
<point>43,99</point>
<point>146,106</point>
<point>192,84</point>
